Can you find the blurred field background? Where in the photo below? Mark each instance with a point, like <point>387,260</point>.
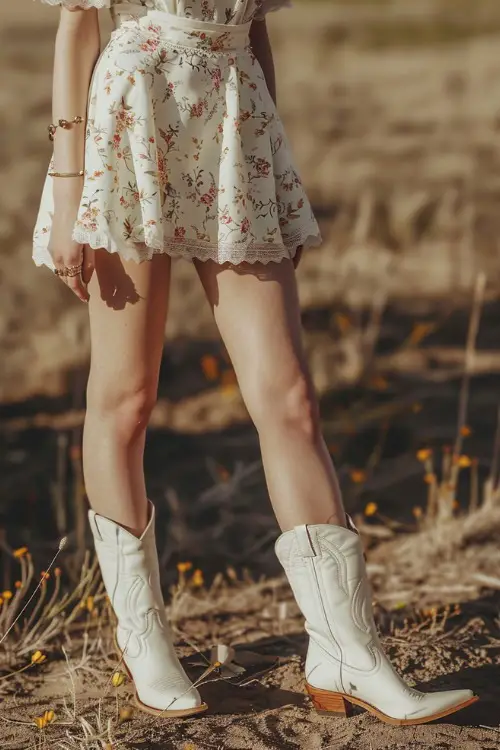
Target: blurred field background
<point>393,111</point>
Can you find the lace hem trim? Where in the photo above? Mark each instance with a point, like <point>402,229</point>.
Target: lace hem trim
<point>82,4</point>
<point>190,249</point>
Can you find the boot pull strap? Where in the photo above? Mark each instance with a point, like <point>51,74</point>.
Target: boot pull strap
<point>304,542</point>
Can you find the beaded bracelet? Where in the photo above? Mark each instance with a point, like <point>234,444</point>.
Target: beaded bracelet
<point>65,124</point>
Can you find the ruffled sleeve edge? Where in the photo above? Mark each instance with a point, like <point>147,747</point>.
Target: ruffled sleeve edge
<point>269,6</point>
<point>83,4</point>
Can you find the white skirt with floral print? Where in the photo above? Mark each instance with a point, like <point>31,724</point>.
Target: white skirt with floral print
<point>185,152</point>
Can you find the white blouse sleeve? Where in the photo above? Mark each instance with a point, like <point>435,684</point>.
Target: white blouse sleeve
<point>84,4</point>
<point>267,6</point>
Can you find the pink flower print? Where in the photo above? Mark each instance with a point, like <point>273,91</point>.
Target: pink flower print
<point>262,167</point>
<point>117,139</point>
<point>150,45</point>
<point>245,226</point>
<point>197,109</point>
<point>180,233</point>
<point>216,78</point>
<point>207,199</point>
<point>300,204</point>
<point>151,139</point>
<point>225,218</point>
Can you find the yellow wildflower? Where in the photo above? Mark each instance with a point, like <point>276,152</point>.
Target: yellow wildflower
<point>47,718</point>
<point>197,579</point>
<point>417,511</point>
<point>420,331</point>
<point>210,367</point>
<point>464,462</point>
<point>430,478</point>
<point>424,454</point>
<point>465,431</point>
<point>38,657</point>
<point>118,679</point>
<point>126,713</point>
<point>183,567</point>
<point>7,595</point>
<point>20,552</point>
<point>371,509</point>
<point>358,476</point>
<point>18,584</point>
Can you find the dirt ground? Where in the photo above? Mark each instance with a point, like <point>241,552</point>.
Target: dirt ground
<point>437,607</point>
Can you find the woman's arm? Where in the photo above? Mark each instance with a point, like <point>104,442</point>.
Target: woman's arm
<point>261,46</point>
<point>76,51</point>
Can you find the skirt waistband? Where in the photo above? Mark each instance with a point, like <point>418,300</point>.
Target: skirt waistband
<point>203,36</point>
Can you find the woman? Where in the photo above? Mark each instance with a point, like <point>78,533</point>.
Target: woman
<point>179,151</point>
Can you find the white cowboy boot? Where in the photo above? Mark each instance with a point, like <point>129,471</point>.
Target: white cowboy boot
<point>131,575</point>
<point>345,662</point>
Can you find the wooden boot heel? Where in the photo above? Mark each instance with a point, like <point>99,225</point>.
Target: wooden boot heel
<point>327,703</point>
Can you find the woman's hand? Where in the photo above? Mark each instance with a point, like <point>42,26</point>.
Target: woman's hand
<point>67,253</point>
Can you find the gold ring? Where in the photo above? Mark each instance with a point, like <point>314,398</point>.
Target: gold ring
<point>69,270</point>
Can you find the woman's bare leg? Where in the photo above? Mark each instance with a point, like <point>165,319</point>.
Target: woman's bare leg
<point>257,311</point>
<point>128,308</point>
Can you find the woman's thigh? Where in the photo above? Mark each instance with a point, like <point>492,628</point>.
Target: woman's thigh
<point>257,310</point>
<point>128,308</point>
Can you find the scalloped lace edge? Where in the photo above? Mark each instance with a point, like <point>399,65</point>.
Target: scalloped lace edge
<point>189,250</point>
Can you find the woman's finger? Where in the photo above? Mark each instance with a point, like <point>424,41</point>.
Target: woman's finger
<point>78,286</point>
<point>88,264</point>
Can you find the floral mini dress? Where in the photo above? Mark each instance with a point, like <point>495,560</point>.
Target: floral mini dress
<point>185,152</point>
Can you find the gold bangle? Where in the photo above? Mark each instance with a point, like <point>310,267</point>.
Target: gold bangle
<point>67,174</point>
<point>65,124</point>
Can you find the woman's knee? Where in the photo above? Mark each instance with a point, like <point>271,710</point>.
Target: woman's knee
<point>127,406</point>
<point>289,402</point>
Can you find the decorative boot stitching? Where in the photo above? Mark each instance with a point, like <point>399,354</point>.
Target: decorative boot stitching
<point>340,568</point>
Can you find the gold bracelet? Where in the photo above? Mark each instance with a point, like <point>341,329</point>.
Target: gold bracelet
<point>67,174</point>
<point>65,124</point>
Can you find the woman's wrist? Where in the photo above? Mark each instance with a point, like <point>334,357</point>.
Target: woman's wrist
<point>67,192</point>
